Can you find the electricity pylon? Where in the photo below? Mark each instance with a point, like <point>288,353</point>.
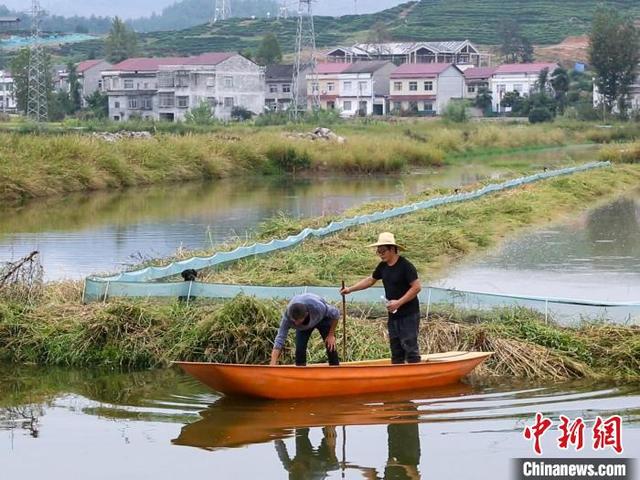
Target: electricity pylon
<point>38,74</point>
<point>305,65</point>
<point>222,10</point>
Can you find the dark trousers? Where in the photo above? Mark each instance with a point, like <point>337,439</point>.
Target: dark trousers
<point>302,340</point>
<point>403,338</point>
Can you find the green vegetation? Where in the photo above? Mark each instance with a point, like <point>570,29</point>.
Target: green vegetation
<point>121,43</point>
<point>57,330</point>
<point>629,153</point>
<point>50,163</point>
<point>541,21</point>
<point>435,238</point>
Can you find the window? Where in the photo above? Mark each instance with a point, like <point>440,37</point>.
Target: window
<point>286,88</point>
<point>211,81</point>
<point>182,79</point>
<point>397,106</point>
<point>128,83</point>
<point>212,101</point>
<point>116,104</point>
<point>145,85</point>
<point>183,102</point>
<point>471,89</point>
<point>517,87</point>
<point>331,86</point>
<point>397,86</point>
<point>362,87</point>
<point>166,100</point>
<point>273,88</point>
<point>347,86</point>
<point>99,84</point>
<point>413,86</point>
<point>165,80</point>
<point>116,118</point>
<point>147,103</point>
<point>133,102</point>
<point>346,106</point>
<point>228,82</point>
<point>315,87</point>
<point>228,102</point>
<point>428,107</point>
<point>428,86</point>
<point>115,83</point>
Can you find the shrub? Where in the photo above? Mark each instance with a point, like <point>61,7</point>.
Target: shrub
<point>239,114</point>
<point>540,114</point>
<point>456,111</point>
<point>287,157</point>
<point>200,115</point>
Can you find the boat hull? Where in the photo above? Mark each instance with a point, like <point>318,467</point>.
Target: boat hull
<point>321,380</point>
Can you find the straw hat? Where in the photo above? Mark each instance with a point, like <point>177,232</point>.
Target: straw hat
<point>386,238</point>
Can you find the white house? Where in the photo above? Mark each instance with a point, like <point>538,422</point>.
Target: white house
<point>166,88</point>
<point>8,103</point>
<point>458,52</point>
<point>515,77</point>
<point>425,88</point>
<point>476,79</point>
<point>364,88</point>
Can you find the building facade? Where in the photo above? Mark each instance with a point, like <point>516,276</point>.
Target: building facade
<point>89,77</point>
<point>364,88</point>
<point>279,82</point>
<point>426,88</point>
<point>476,79</point>
<point>8,103</point>
<point>516,77</point>
<point>458,52</point>
<point>167,88</point>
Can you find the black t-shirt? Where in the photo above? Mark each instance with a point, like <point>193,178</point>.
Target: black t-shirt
<point>397,281</point>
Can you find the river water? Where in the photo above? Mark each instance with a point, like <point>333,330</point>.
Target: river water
<point>79,235</point>
<point>60,424</point>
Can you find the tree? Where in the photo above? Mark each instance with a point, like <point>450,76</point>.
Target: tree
<point>560,83</point>
<point>98,104</point>
<point>484,99</point>
<point>525,51</point>
<point>200,115</point>
<point>614,52</point>
<point>513,45</point>
<point>75,97</point>
<point>379,33</point>
<point>542,84</point>
<point>121,43</point>
<point>269,50</point>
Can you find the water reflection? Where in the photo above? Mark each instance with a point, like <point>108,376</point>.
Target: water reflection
<point>595,256</point>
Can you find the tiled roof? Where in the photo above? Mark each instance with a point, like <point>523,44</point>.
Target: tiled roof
<point>366,67</point>
<point>326,68</point>
<point>479,73</point>
<point>152,64</point>
<point>277,72</point>
<point>404,48</point>
<point>86,65</point>
<point>420,70</point>
<point>508,68</point>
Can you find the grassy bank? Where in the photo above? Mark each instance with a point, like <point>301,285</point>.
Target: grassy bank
<point>56,330</point>
<point>435,238</point>
<point>39,165</point>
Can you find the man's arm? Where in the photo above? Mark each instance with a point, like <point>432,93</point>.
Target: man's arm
<point>361,285</point>
<point>412,293</point>
<point>281,337</point>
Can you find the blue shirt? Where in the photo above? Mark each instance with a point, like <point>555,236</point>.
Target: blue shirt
<point>318,310</point>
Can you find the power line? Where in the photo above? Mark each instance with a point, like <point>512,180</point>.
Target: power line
<point>37,101</point>
<point>283,10</point>
<point>307,67</point>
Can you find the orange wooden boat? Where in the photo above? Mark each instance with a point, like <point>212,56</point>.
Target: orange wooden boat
<point>321,380</point>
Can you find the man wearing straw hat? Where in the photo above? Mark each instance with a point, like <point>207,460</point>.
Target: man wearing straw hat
<point>401,287</point>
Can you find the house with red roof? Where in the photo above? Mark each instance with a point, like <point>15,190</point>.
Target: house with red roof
<point>167,88</point>
<point>515,77</point>
<point>325,82</point>
<point>89,76</point>
<point>425,88</point>
<point>476,79</point>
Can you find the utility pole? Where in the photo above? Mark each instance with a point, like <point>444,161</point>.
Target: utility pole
<point>222,10</point>
<point>38,74</point>
<point>283,10</point>
<point>307,67</point>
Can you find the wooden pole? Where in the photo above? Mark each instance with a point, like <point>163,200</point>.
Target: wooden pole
<point>344,325</point>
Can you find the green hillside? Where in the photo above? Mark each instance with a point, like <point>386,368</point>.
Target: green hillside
<point>541,21</point>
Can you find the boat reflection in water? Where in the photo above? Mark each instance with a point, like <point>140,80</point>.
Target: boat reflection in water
<point>235,422</point>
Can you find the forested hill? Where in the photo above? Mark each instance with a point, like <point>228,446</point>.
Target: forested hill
<point>541,22</point>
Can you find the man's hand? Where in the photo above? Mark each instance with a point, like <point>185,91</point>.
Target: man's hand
<point>393,305</point>
<point>345,291</point>
<point>331,342</point>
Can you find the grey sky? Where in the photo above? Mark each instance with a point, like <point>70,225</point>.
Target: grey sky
<point>140,8</point>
